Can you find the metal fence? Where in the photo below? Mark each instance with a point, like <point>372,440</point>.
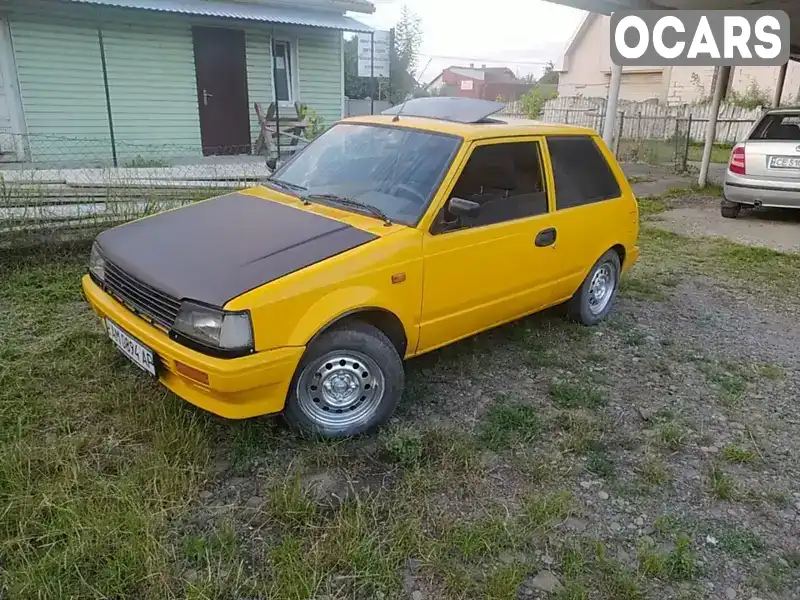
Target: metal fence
<point>355,107</point>
<point>650,133</point>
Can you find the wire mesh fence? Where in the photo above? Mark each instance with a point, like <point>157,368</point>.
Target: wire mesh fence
<point>72,190</point>
<point>646,132</point>
<point>52,187</point>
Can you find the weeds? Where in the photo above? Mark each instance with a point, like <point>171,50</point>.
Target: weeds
<point>737,454</point>
<point>540,511</point>
<point>740,542</point>
<point>681,563</point>
<point>576,395</point>
<point>654,471</point>
<point>509,424</point>
<point>672,435</point>
<point>722,486</point>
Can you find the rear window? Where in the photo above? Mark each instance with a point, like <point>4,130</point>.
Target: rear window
<point>778,127</point>
<point>582,175</point>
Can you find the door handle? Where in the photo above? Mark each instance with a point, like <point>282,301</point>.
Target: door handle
<point>546,237</point>
<point>206,96</point>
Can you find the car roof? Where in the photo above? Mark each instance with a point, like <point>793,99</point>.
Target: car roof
<point>488,128</point>
<point>447,108</point>
<point>784,110</point>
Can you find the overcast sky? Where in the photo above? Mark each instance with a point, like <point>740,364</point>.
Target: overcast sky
<point>514,33</point>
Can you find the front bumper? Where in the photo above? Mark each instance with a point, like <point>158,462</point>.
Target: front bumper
<point>238,388</point>
<point>778,194</point>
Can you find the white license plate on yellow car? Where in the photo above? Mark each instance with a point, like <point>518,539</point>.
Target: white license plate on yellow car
<point>138,353</point>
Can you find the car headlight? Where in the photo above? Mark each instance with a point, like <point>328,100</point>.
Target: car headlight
<point>224,330</point>
<point>97,264</point>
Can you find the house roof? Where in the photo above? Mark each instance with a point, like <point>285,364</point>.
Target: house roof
<point>577,36</point>
<point>791,7</point>
<point>484,73</point>
<point>285,15</point>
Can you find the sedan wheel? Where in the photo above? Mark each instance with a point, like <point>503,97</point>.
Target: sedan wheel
<point>341,389</point>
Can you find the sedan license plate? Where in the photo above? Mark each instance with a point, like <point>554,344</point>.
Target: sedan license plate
<point>140,355</point>
<point>784,162</point>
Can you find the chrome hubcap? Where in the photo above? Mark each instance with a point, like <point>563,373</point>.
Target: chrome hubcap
<point>601,289</point>
<point>341,388</point>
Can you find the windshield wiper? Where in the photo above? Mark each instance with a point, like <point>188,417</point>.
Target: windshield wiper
<point>374,210</point>
<point>287,185</point>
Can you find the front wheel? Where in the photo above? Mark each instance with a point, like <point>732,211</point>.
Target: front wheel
<point>349,382</point>
<point>593,300</point>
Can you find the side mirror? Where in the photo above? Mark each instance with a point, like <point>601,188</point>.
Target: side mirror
<point>272,163</point>
<point>464,208</point>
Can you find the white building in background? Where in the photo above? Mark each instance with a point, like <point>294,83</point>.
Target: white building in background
<point>585,70</point>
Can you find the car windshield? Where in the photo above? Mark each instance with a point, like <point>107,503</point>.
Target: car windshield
<point>393,169</point>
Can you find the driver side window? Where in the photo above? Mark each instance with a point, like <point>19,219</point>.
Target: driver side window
<point>506,180</point>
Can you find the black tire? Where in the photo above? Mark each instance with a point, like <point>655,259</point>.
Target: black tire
<point>579,307</point>
<point>351,340</point>
<point>730,210</point>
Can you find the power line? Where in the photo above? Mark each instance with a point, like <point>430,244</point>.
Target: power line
<point>473,59</point>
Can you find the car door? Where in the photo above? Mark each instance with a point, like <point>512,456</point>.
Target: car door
<point>592,212</point>
<point>486,270</point>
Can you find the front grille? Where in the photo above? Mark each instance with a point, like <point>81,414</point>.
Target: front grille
<point>140,297</point>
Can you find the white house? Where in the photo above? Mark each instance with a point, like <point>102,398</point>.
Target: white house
<point>585,70</point>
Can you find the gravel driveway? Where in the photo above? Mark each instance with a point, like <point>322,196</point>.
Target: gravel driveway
<point>768,228</point>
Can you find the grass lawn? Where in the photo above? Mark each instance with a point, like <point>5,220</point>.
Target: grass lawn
<point>110,487</point>
<point>664,152</point>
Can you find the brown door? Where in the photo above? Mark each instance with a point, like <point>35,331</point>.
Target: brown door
<point>221,68</point>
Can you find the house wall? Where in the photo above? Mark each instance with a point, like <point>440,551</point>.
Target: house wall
<point>684,86</point>
<point>587,68</point>
<point>450,78</point>
<point>151,78</point>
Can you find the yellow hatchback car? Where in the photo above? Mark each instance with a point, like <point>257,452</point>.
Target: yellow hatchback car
<point>387,237</point>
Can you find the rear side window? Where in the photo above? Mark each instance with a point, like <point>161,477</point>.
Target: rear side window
<point>581,173</point>
<point>778,127</point>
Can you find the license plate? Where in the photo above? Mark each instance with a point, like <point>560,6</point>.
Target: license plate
<point>140,355</point>
<point>784,162</point>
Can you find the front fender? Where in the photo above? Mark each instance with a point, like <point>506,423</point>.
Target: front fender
<point>342,302</point>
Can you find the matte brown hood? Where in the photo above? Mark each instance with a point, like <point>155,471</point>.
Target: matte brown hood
<point>215,250</point>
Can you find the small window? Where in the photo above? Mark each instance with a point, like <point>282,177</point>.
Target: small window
<point>778,127</point>
<point>581,173</point>
<point>283,72</point>
<point>505,179</point>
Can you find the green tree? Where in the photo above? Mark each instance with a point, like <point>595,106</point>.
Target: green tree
<point>405,54</point>
<point>403,63</point>
<point>533,101</point>
<point>354,86</point>
<point>550,76</point>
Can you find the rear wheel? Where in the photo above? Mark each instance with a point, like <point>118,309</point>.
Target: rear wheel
<point>349,382</point>
<point>593,301</point>
<point>730,210</point>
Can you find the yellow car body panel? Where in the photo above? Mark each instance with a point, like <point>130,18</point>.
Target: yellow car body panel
<point>441,288</point>
<point>237,388</point>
